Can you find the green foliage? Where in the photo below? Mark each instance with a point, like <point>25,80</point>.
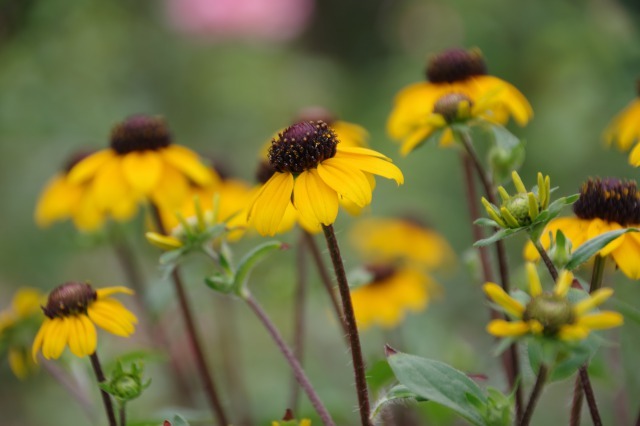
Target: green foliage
<point>125,385</point>
<point>589,248</point>
<point>398,393</point>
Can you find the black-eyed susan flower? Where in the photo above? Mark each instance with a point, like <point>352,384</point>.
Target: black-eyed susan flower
<point>72,312</point>
<point>400,241</point>
<point>460,72</point>
<point>17,326</point>
<point>624,129</point>
<point>390,294</point>
<point>142,163</point>
<point>63,199</point>
<point>313,171</point>
<point>604,205</point>
<point>551,313</point>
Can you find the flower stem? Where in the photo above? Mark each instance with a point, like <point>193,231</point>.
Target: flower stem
<point>545,258</point>
<point>326,279</point>
<point>510,360</point>
<point>576,403</point>
<point>185,310</point>
<point>299,316</point>
<point>350,320</point>
<point>123,415</point>
<point>589,396</point>
<point>302,378</point>
<point>535,395</point>
<point>106,398</point>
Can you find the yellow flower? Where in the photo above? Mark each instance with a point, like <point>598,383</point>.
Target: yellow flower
<point>14,321</point>
<point>62,199</point>
<point>624,130</point>
<point>72,312</point>
<point>392,292</point>
<point>289,420</point>
<point>313,171</point>
<point>604,205</point>
<point>453,71</point>
<point>551,314</point>
<point>141,164</point>
<point>400,240</point>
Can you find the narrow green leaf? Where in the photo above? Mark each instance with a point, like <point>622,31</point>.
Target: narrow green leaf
<point>503,137</point>
<point>590,247</point>
<point>396,393</point>
<point>500,235</point>
<point>440,383</point>
<point>178,420</point>
<point>485,221</point>
<point>248,262</point>
<point>220,282</point>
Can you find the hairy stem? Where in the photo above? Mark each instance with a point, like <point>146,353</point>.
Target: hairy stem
<point>106,398</point>
<point>299,317</point>
<point>291,359</point>
<point>535,395</point>
<point>350,320</point>
<point>576,403</point>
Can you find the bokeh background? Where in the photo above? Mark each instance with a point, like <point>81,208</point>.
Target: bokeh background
<point>227,74</point>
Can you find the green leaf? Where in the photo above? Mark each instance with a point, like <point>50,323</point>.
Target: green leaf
<point>503,137</point>
<point>249,261</point>
<point>500,235</point>
<point>178,420</point>
<point>398,392</point>
<point>563,358</point>
<point>220,282</point>
<point>485,221</point>
<point>379,374</point>
<point>439,383</point>
<point>590,247</point>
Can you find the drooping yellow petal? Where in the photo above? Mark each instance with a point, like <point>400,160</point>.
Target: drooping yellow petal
<point>499,296</point>
<point>165,242</point>
<point>346,180</point>
<point>39,339</point>
<point>594,300</point>
<point>188,163</point>
<point>87,216</point>
<point>598,227</point>
<point>76,336</point>
<point>18,363</point>
<point>627,256</point>
<point>314,199</point>
<point>601,320</point>
<point>56,201</point>
<point>110,186</point>
<point>56,338</point>
<point>565,279</point>
<point>89,167</point>
<point>108,291</point>
<point>535,287</point>
<point>105,318</point>
<point>415,139</point>
<point>172,190</point>
<point>350,134</point>
<point>502,328</point>
<point>371,161</point>
<point>634,156</point>
<point>142,170</point>
<point>573,332</point>
<point>90,340</point>
<point>270,204</point>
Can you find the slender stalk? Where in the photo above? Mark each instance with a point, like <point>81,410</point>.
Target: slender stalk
<point>589,396</point>
<point>510,360</point>
<point>576,403</point>
<point>598,273</point>
<point>350,319</point>
<point>299,317</point>
<point>547,261</point>
<point>106,398</point>
<point>326,279</point>
<point>185,310</point>
<point>535,395</point>
<point>302,378</point>
<point>70,385</point>
<point>123,415</point>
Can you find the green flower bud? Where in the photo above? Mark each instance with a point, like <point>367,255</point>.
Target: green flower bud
<point>551,311</point>
<point>126,385</point>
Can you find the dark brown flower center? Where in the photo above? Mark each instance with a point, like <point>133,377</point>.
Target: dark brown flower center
<point>140,133</point>
<point>380,272</point>
<point>550,310</point>
<point>69,299</point>
<point>302,147</point>
<point>609,199</point>
<point>455,65</point>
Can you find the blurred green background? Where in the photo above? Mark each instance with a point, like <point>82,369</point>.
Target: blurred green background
<point>69,70</point>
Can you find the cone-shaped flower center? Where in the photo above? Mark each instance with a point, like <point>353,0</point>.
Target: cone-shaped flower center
<point>550,310</point>
<point>609,199</point>
<point>380,272</point>
<point>302,147</point>
<point>455,65</point>
<point>68,299</point>
<point>140,133</point>
<point>448,106</point>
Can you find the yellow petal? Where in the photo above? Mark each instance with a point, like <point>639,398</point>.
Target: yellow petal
<point>188,163</point>
<point>415,139</point>
<point>90,338</point>
<point>573,332</point>
<point>634,156</point>
<point>56,201</point>
<point>142,170</point>
<point>165,242</point>
<point>39,339</point>
<point>76,334</point>
<point>346,180</point>
<point>627,256</point>
<point>108,291</point>
<point>502,328</point>
<point>314,199</point>
<point>172,190</point>
<point>270,204</point>
<point>350,134</point>
<point>565,279</point>
<point>601,320</point>
<point>56,338</point>
<point>499,296</point>
<point>90,166</point>
<point>595,299</point>
<point>110,186</point>
<point>371,161</point>
<point>18,363</point>
<point>87,216</point>
<point>535,287</point>
<point>111,320</point>
<point>598,227</point>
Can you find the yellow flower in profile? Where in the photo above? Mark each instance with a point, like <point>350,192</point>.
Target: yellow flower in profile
<point>624,129</point>
<point>62,199</point>
<point>72,312</point>
<point>392,292</point>
<point>551,314</point>
<point>290,420</point>
<point>454,71</point>
<point>604,205</point>
<point>141,164</point>
<point>398,240</point>
<point>313,171</point>
<point>15,322</point>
